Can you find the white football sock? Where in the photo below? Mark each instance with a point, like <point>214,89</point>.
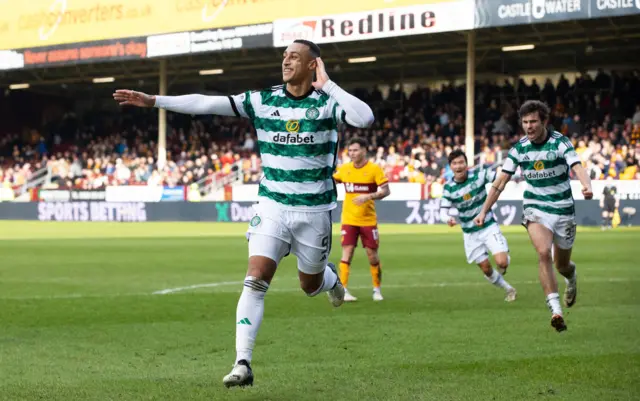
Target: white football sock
<point>553,303</point>
<point>497,280</point>
<point>328,282</point>
<point>249,316</point>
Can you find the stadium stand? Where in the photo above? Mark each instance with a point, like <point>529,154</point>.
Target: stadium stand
<point>413,134</point>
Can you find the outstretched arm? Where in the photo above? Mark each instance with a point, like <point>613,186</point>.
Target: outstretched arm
<point>196,104</point>
<point>186,104</point>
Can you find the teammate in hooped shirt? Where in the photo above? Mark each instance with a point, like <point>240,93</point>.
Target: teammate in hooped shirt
<point>364,183</point>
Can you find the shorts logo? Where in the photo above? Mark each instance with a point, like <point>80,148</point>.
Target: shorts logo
<point>539,165</point>
<point>551,156</point>
<point>312,113</point>
<point>292,126</point>
<point>466,196</point>
<point>255,221</point>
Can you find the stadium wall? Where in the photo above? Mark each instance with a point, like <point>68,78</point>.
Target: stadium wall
<point>414,191</point>
<point>403,212</point>
<point>249,192</point>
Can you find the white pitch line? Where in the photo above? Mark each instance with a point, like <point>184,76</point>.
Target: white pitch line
<point>195,286</point>
<point>72,296</point>
<point>362,287</point>
<point>168,291</point>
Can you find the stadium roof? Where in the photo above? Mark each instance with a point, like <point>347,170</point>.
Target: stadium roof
<point>567,46</point>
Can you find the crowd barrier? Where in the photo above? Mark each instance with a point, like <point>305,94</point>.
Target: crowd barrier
<point>588,213</point>
<point>400,191</point>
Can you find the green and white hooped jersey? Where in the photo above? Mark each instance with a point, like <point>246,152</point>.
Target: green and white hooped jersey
<point>298,143</point>
<point>545,167</point>
<point>468,197</point>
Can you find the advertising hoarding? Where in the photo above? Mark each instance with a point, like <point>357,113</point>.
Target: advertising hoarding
<point>491,13</point>
<point>36,23</point>
<point>383,23</point>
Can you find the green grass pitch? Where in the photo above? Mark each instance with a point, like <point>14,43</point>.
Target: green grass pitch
<point>81,318</point>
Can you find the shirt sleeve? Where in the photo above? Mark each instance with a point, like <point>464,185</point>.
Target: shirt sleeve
<point>380,177</point>
<point>444,215</point>
<point>339,115</point>
<point>242,105</point>
<point>489,176</point>
<point>569,153</point>
<point>196,104</point>
<point>445,200</point>
<point>511,163</point>
<point>350,109</point>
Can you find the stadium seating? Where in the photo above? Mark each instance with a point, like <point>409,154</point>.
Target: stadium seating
<point>411,138</point>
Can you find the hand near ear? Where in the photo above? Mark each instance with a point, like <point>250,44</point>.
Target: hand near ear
<point>321,75</point>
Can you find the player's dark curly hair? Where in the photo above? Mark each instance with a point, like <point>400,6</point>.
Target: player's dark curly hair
<point>532,106</point>
<point>457,153</point>
<point>360,141</point>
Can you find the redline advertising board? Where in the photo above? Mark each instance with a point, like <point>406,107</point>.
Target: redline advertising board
<point>382,23</point>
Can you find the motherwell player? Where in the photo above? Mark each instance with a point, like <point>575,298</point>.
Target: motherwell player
<point>364,183</point>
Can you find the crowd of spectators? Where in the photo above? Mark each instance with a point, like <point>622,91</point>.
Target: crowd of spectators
<point>410,139</point>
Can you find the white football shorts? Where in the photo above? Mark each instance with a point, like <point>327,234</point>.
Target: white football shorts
<point>274,233</point>
<point>477,245</point>
<point>563,227</point>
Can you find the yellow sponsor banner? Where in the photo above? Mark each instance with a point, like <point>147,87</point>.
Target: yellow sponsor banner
<point>34,23</point>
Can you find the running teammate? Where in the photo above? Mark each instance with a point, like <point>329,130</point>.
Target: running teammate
<point>467,193</point>
<point>546,158</point>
